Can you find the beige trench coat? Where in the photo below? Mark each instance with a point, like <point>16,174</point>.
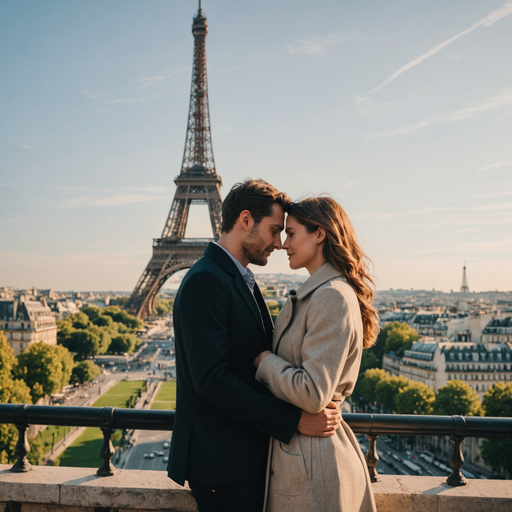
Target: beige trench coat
<point>317,345</point>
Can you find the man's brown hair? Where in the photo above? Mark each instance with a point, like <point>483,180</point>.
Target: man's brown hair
<point>256,196</point>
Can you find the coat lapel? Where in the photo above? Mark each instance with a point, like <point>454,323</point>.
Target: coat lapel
<point>282,322</point>
<point>324,274</point>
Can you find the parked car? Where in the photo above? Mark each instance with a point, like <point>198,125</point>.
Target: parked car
<point>166,445</point>
<point>165,459</point>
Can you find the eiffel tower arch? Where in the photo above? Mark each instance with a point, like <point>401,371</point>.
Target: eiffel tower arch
<point>197,183</point>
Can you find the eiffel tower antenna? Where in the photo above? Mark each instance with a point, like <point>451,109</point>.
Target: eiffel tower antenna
<point>464,287</point>
<point>197,183</point>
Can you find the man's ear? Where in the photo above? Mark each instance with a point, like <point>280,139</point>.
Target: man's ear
<point>320,233</point>
<point>246,220</point>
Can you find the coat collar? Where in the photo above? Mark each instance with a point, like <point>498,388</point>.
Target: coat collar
<point>324,274</point>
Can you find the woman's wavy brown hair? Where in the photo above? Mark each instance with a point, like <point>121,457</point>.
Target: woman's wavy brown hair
<point>342,251</point>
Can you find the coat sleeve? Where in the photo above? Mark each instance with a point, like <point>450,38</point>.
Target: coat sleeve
<point>325,349</point>
<point>204,320</point>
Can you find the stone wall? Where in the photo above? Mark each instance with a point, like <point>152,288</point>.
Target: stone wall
<point>61,489</point>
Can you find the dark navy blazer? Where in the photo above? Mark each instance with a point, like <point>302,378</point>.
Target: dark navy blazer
<point>224,417</point>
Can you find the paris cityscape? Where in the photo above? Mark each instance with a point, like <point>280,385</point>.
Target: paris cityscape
<point>92,258</point>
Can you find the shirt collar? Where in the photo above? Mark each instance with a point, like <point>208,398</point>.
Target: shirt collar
<point>246,273</point>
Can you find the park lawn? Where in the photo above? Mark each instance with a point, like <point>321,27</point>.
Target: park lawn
<point>85,451</point>
<point>167,392</point>
<point>164,406</point>
<point>46,435</point>
<point>166,397</point>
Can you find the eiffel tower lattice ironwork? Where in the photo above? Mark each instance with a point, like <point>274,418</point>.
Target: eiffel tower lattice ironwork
<point>197,183</point>
<point>464,287</point>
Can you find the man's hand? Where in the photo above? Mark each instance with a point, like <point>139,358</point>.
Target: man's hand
<point>321,424</point>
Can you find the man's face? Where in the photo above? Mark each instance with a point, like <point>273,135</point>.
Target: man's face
<point>264,238</point>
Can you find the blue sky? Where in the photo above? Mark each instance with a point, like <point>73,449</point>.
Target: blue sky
<point>400,110</point>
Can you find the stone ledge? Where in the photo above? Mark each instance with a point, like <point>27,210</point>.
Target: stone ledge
<point>61,489</point>
<point>433,494</point>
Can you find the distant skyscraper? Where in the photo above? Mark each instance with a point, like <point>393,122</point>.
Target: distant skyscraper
<point>464,287</point>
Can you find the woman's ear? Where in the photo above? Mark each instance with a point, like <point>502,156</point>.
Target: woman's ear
<point>320,234</point>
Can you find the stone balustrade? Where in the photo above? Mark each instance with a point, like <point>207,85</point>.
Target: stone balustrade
<point>62,489</point>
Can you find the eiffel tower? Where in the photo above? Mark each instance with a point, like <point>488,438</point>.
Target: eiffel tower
<point>197,183</point>
<point>464,287</point>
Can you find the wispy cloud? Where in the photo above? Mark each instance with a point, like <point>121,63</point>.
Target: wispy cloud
<point>508,114</point>
<point>503,99</point>
<point>26,146</point>
<point>108,197</point>
<point>489,20</point>
<point>494,194</point>
<point>495,166</point>
<point>150,80</point>
<point>128,100</point>
<point>94,95</point>
<point>118,199</point>
<point>314,45</point>
<point>439,209</point>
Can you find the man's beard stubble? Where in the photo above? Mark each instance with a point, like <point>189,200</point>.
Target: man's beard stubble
<point>253,248</point>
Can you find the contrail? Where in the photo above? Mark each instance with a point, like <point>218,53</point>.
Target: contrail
<point>491,18</point>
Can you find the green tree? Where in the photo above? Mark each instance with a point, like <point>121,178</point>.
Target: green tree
<point>12,391</point>
<point>457,398</point>
<point>400,338</point>
<point>386,391</point>
<point>85,371</point>
<point>68,363</point>
<point>497,402</point>
<point>85,343</point>
<point>416,398</point>
<point>370,379</point>
<point>80,320</point>
<point>369,360</point>
<point>42,369</point>
<point>123,344</point>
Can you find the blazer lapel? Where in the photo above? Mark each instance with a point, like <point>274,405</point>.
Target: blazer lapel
<point>265,315</point>
<point>249,299</point>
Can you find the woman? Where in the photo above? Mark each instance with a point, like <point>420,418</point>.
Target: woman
<point>318,340</point>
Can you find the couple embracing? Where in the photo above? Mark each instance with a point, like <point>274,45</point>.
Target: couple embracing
<point>258,423</point>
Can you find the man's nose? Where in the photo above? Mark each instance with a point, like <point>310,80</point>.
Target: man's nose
<point>277,243</point>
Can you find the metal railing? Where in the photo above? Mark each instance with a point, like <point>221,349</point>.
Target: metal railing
<point>372,426</point>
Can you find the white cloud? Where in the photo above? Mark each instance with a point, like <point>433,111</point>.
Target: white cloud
<point>150,80</point>
<point>109,197</point>
<point>74,202</point>
<point>435,209</point>
<point>486,22</point>
<point>495,166</point>
<point>26,146</point>
<point>503,99</point>
<point>508,114</point>
<point>92,94</point>
<point>128,100</point>
<point>314,45</point>
<point>495,194</point>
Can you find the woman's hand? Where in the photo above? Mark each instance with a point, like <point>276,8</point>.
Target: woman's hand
<point>260,358</point>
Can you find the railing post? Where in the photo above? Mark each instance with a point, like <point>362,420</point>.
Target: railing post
<point>22,465</point>
<point>107,449</point>
<point>372,457</point>
<point>456,478</point>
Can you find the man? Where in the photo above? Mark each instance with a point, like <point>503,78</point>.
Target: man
<point>224,417</point>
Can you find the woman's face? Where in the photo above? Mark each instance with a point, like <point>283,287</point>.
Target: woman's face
<point>303,248</point>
